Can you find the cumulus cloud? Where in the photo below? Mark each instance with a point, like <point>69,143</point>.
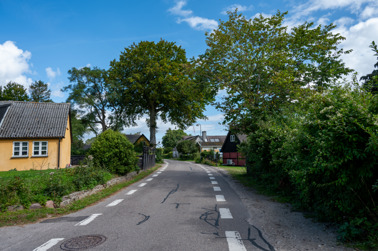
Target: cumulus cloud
<point>240,8</point>
<point>195,22</point>
<point>51,74</point>
<point>14,64</point>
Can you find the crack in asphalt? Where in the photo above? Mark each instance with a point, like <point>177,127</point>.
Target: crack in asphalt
<point>146,217</point>
<point>170,193</point>
<point>207,217</point>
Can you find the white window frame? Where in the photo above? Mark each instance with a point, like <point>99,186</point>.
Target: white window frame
<point>21,145</point>
<point>232,138</point>
<point>39,154</point>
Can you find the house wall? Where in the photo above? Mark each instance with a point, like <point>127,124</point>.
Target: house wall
<point>209,148</point>
<point>142,139</point>
<point>26,163</point>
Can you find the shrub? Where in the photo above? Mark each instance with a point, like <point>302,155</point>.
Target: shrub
<point>159,155</point>
<point>187,149</point>
<point>113,151</point>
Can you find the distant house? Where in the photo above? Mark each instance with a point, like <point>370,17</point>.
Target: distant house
<point>207,143</point>
<point>231,156</point>
<point>138,141</point>
<point>34,135</point>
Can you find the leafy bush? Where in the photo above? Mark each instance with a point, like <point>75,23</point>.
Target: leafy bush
<point>323,151</point>
<point>187,149</point>
<point>159,155</point>
<point>113,151</point>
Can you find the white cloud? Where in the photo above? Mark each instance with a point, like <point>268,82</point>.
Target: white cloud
<point>240,8</point>
<point>57,94</point>
<point>200,23</point>
<point>369,11</point>
<point>177,9</point>
<point>14,64</point>
<point>51,74</point>
<point>195,22</point>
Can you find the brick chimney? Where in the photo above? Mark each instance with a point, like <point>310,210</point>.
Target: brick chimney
<point>204,136</point>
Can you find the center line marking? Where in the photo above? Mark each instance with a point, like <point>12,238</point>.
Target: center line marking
<point>214,182</point>
<point>87,220</point>
<point>217,189</point>
<point>225,213</point>
<point>131,192</point>
<point>48,244</point>
<point>220,198</point>
<point>114,203</point>
<point>234,241</point>
<point>149,179</point>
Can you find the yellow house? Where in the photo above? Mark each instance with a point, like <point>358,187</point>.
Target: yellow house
<point>34,135</point>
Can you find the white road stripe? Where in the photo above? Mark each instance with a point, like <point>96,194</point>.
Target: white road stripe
<point>217,189</point>
<point>214,182</point>
<point>142,184</point>
<point>225,213</point>
<point>155,175</point>
<point>149,179</point>
<point>114,203</point>
<point>48,244</point>
<point>158,172</point>
<point>234,241</point>
<point>87,220</point>
<point>220,198</point>
<point>210,174</point>
<point>131,192</point>
<point>212,178</point>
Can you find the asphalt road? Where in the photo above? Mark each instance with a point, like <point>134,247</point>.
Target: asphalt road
<point>182,206</point>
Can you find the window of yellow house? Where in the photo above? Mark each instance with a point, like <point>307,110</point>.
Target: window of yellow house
<point>20,149</point>
<point>40,148</point>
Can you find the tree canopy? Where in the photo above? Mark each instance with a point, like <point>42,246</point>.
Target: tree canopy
<point>172,137</point>
<point>155,79</point>
<point>263,64</point>
<point>15,92</point>
<point>371,80</point>
<point>89,92</point>
<point>39,92</point>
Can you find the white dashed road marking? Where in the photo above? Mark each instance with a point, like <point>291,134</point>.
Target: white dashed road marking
<point>220,198</point>
<point>114,203</point>
<point>149,179</point>
<point>142,184</point>
<point>155,175</point>
<point>48,244</point>
<point>87,220</point>
<point>131,192</point>
<point>212,178</point>
<point>234,241</point>
<point>214,182</point>
<point>210,174</point>
<point>217,189</point>
<point>225,213</point>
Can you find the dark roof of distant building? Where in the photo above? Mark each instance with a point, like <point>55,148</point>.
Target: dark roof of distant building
<point>20,119</point>
<point>135,137</point>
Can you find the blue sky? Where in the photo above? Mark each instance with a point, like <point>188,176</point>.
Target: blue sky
<point>42,40</point>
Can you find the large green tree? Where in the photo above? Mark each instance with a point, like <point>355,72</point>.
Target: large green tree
<point>262,64</point>
<point>90,94</point>
<point>172,137</point>
<point>371,80</point>
<point>15,92</point>
<point>155,79</point>
<point>40,92</point>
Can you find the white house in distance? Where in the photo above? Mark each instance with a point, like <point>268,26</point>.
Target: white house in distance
<point>208,143</point>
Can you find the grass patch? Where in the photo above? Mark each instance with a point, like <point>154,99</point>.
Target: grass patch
<point>239,173</point>
<point>30,216</point>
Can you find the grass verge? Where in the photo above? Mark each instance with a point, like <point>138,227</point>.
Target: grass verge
<point>29,216</point>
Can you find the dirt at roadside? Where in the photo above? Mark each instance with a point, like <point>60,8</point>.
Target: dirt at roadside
<point>280,226</point>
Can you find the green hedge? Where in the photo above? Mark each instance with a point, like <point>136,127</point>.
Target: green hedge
<point>323,152</point>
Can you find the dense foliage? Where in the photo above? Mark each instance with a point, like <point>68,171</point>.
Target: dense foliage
<point>13,91</point>
<point>40,92</point>
<point>113,151</point>
<point>371,79</point>
<point>172,137</point>
<point>187,149</point>
<point>324,153</point>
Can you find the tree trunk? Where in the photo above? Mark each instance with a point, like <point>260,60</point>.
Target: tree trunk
<point>153,127</point>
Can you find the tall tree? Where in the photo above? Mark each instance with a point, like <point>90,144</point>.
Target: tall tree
<point>15,92</point>
<point>40,92</point>
<point>172,137</point>
<point>154,79</point>
<point>90,95</point>
<point>264,65</point>
<point>371,80</point>
<point>79,128</point>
